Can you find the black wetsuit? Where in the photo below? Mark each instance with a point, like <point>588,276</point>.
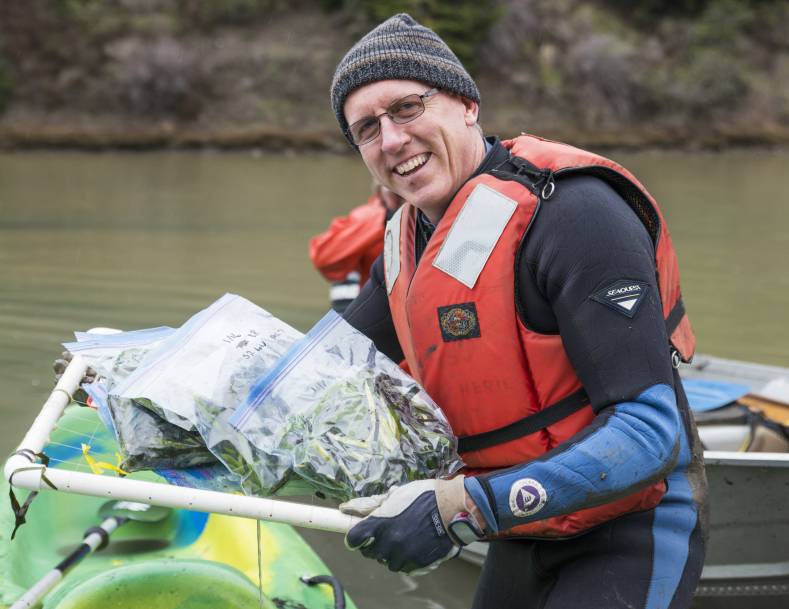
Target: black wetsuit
<point>584,238</point>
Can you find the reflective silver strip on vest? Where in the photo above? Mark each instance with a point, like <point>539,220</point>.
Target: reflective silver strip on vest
<point>392,250</point>
<point>474,234</point>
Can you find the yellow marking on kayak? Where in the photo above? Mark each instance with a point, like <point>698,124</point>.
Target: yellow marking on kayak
<point>98,467</point>
<point>231,540</point>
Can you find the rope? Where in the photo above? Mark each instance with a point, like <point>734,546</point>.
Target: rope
<point>20,510</point>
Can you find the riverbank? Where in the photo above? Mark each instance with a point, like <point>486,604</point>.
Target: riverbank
<point>148,74</point>
<point>77,133</point>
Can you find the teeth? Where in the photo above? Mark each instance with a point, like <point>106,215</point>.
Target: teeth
<point>411,164</point>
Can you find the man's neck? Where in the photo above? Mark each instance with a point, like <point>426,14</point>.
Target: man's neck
<point>495,153</point>
<point>481,150</point>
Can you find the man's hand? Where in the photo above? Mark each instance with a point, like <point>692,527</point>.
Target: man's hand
<point>59,366</point>
<point>406,529</point>
<point>61,363</point>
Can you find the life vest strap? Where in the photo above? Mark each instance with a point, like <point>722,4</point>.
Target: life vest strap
<point>527,425</point>
<point>551,414</point>
<point>674,317</point>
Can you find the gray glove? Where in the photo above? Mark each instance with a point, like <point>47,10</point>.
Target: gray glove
<point>410,528</point>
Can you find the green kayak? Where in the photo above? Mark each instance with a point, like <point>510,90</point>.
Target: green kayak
<point>188,560</point>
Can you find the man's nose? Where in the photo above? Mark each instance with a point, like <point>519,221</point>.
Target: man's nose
<point>393,136</point>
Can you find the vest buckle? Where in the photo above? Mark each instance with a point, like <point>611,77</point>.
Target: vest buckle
<point>548,184</point>
<point>676,360</point>
<point>547,190</point>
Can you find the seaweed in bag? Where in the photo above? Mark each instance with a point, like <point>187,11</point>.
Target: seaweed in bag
<point>342,416</point>
<point>152,448</point>
<point>205,369</point>
<point>145,440</point>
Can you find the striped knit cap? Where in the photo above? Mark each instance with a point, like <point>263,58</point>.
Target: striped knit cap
<point>399,49</point>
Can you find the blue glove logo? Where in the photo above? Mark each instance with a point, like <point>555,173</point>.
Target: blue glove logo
<point>527,497</point>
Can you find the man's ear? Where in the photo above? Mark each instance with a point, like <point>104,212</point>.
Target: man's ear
<point>470,111</point>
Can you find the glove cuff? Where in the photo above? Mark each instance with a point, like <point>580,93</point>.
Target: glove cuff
<point>451,498</point>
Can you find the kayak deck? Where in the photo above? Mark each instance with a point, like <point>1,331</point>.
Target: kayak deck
<point>190,559</point>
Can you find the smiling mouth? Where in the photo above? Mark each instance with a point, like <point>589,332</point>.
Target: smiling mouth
<point>412,165</point>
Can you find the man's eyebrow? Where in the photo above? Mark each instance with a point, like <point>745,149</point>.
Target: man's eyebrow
<point>371,113</point>
<point>386,107</point>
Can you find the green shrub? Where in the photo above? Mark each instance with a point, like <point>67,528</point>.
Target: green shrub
<point>646,13</point>
<point>5,86</point>
<point>77,8</point>
<point>206,13</point>
<point>160,78</point>
<point>712,83</point>
<point>463,24</point>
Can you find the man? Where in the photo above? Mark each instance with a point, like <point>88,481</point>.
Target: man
<point>344,252</point>
<point>533,289</point>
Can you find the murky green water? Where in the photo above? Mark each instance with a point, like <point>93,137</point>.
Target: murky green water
<point>139,240</point>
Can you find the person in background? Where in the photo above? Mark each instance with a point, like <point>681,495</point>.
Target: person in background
<point>344,252</point>
<point>533,289</point>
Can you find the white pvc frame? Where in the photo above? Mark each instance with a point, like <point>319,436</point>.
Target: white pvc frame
<point>22,473</point>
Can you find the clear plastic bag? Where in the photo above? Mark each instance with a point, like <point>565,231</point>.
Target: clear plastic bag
<point>342,416</point>
<point>115,356</point>
<point>205,369</point>
<point>146,441</point>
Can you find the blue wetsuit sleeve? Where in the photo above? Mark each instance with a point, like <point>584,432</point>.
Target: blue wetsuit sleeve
<point>627,447</point>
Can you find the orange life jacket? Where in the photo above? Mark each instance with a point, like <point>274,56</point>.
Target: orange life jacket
<point>351,243</point>
<point>511,394</point>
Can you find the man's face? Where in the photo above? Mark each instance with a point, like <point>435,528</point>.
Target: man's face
<point>427,160</point>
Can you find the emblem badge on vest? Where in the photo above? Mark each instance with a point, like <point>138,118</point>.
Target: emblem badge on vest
<point>623,296</point>
<point>527,497</point>
<point>458,321</point>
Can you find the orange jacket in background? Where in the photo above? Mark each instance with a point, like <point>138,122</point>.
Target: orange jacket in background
<point>351,243</point>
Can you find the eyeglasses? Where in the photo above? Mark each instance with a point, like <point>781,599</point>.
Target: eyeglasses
<point>402,111</point>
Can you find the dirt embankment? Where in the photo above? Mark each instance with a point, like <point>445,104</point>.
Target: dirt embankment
<point>148,73</point>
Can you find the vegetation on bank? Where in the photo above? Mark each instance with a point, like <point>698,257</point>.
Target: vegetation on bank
<point>256,72</point>
<point>5,86</point>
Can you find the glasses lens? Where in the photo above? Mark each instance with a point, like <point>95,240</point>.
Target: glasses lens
<point>364,130</point>
<point>406,109</point>
<point>402,111</point>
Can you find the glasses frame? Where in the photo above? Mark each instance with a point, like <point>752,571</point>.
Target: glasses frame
<point>392,117</point>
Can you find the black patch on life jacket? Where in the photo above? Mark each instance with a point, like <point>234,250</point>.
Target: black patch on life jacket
<point>458,321</point>
<point>623,296</point>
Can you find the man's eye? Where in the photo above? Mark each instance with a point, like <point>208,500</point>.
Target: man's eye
<point>368,127</point>
<point>365,128</point>
<point>406,108</point>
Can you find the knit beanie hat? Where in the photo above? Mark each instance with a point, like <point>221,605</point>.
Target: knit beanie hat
<point>399,49</point>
